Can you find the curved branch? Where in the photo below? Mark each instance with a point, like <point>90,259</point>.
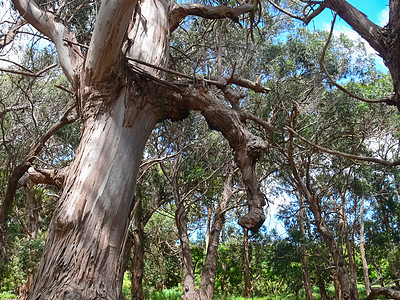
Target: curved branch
<point>388,292</point>
<point>181,11</point>
<point>387,100</point>
<point>20,170</point>
<point>369,31</point>
<point>345,155</point>
<point>306,18</point>
<point>70,56</point>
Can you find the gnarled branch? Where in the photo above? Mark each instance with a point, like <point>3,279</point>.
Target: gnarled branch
<point>306,18</point>
<point>181,11</point>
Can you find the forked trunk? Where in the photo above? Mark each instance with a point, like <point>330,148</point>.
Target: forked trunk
<point>85,242</point>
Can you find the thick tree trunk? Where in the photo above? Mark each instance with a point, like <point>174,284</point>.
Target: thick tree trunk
<point>85,242</point>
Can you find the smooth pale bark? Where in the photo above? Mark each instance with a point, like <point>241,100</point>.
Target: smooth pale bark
<point>108,36</point>
<point>85,243</point>
<point>86,237</point>
<point>70,55</point>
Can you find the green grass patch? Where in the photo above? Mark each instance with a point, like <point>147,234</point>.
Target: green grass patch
<point>7,295</point>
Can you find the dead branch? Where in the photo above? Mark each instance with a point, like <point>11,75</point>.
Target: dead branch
<point>28,73</point>
<point>180,11</point>
<point>7,38</point>
<point>217,81</point>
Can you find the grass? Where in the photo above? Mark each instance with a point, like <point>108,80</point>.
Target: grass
<point>7,295</point>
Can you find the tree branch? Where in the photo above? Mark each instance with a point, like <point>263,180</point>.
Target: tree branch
<point>345,155</point>
<point>111,25</point>
<point>369,31</point>
<point>28,73</point>
<point>377,291</point>
<point>20,169</point>
<point>70,56</point>
<point>306,18</point>
<point>387,100</point>
<point>217,81</point>
<point>7,38</point>
<point>181,11</point>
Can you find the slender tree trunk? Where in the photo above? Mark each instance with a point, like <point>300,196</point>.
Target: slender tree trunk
<point>207,283</point>
<point>33,215</point>
<point>208,229</point>
<point>362,250</point>
<point>321,285</point>
<point>303,251</point>
<point>349,246</point>
<point>137,268</point>
<point>138,264</point>
<point>246,264</point>
<point>344,289</point>
<point>189,286</point>
<point>86,237</point>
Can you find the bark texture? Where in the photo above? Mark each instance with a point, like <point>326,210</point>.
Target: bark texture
<point>119,104</point>
<point>86,238</point>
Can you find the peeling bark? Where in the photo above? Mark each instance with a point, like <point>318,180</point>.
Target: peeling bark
<point>119,104</point>
<point>85,241</point>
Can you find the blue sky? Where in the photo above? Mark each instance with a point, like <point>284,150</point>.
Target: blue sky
<point>376,10</point>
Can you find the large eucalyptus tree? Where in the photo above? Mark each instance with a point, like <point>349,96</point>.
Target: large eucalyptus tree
<point>118,74</point>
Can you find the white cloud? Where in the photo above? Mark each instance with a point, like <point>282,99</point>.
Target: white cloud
<point>343,28</point>
<point>383,17</point>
